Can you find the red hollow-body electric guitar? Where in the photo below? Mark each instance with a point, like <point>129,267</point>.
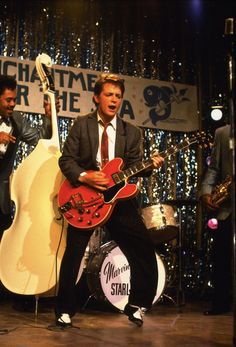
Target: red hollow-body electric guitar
<point>87,208</point>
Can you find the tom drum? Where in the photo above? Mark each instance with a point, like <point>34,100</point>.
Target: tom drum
<point>161,222</point>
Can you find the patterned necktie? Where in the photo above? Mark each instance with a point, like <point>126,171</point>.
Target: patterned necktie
<point>104,146</point>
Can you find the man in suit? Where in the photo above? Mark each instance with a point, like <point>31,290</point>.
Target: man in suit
<point>14,128</point>
<point>219,168</point>
<point>81,161</point>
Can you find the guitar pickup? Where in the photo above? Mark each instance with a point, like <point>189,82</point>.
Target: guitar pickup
<point>118,177</point>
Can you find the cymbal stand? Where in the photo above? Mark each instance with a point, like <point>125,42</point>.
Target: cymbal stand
<point>180,290</point>
<point>180,296</point>
<point>94,246</point>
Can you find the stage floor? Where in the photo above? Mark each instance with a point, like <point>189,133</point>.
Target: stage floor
<point>166,325</point>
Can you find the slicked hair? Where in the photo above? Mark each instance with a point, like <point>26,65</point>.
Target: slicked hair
<point>108,78</point>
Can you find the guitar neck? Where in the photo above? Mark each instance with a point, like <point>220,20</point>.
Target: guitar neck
<point>121,176</point>
<point>176,148</point>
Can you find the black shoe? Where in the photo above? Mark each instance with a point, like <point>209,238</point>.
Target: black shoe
<point>216,311</point>
<point>64,321</point>
<point>134,314</point>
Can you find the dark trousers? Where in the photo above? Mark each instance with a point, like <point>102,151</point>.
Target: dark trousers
<point>127,229</point>
<point>222,251</point>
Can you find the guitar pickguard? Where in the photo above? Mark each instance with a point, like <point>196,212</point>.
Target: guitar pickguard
<point>111,192</point>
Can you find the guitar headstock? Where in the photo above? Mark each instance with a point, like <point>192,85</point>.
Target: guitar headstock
<point>202,138</point>
<point>43,64</point>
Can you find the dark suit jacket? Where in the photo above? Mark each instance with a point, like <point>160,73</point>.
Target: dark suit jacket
<point>23,132</point>
<point>220,166</point>
<point>81,146</point>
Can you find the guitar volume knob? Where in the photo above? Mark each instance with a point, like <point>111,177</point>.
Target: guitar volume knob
<point>97,214</point>
<point>87,211</point>
<point>80,219</point>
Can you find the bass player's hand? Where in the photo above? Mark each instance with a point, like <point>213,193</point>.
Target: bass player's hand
<point>5,138</point>
<point>206,200</point>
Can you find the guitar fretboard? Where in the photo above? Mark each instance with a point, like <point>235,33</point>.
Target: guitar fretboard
<point>121,176</point>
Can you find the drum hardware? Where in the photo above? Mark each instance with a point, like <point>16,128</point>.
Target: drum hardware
<point>96,240</point>
<point>180,300</point>
<point>180,290</point>
<point>161,222</point>
<point>94,245</point>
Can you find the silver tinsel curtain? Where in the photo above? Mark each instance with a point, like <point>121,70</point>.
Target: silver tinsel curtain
<point>145,39</point>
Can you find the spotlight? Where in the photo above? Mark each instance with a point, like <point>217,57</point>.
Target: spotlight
<point>216,113</point>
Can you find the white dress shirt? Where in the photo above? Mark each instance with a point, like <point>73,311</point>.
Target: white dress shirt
<point>6,128</point>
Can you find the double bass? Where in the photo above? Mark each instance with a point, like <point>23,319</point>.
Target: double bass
<point>32,248</point>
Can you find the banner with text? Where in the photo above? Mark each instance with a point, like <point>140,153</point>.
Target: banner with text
<point>147,103</point>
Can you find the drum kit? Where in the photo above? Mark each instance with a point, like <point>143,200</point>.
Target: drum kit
<point>107,269</point>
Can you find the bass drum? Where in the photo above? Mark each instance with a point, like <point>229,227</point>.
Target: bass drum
<point>108,276</point>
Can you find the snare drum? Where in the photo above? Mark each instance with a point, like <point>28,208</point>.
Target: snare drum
<point>108,275</point>
<point>161,222</point>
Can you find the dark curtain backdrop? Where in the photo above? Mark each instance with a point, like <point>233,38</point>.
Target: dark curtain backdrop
<point>178,41</point>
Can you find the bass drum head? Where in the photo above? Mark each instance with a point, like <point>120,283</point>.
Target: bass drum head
<point>108,276</point>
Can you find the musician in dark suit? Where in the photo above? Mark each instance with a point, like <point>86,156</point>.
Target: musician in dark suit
<point>14,128</point>
<point>219,168</point>
<point>82,152</point>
